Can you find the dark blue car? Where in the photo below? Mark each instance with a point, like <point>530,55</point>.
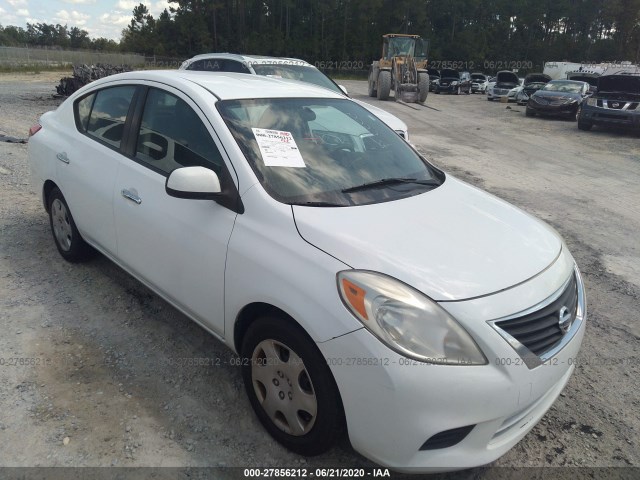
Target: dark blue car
<point>616,103</point>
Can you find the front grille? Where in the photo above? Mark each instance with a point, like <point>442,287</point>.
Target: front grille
<point>540,331</point>
<point>447,439</point>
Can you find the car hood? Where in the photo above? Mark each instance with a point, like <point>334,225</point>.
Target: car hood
<point>507,77</point>
<point>619,83</point>
<point>557,95</point>
<point>391,120</point>
<point>536,78</point>
<point>452,243</point>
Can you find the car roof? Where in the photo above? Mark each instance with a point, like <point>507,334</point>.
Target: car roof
<point>247,58</point>
<point>226,85</point>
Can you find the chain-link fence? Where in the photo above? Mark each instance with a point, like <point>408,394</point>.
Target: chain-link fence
<point>43,57</point>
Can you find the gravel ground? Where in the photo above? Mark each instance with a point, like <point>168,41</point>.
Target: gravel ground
<point>104,382</point>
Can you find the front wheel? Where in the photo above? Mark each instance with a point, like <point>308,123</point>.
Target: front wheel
<point>384,85</point>
<point>68,240</point>
<point>586,126</point>
<point>530,112</point>
<point>290,386</point>
<point>423,87</point>
<point>371,90</point>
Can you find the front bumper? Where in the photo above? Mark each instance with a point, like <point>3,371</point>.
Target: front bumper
<point>568,109</point>
<point>601,116</point>
<point>447,88</point>
<point>394,405</point>
<point>497,93</point>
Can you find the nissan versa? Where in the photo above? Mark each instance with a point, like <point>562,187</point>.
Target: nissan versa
<point>367,291</point>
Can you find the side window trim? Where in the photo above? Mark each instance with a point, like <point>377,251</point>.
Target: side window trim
<point>133,130</point>
<point>128,133</point>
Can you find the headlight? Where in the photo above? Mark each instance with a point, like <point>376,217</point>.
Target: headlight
<point>592,102</point>
<point>406,320</point>
<point>455,82</point>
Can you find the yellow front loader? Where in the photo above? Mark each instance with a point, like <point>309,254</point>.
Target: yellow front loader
<point>402,68</point>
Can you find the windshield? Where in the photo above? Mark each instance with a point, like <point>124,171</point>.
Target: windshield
<point>476,76</point>
<point>301,73</point>
<point>402,46</point>
<point>307,151</point>
<point>564,86</point>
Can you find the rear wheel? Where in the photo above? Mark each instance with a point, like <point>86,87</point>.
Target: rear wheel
<point>290,386</point>
<point>68,240</point>
<point>384,85</point>
<point>530,112</point>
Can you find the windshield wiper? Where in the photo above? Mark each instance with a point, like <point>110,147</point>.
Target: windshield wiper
<point>390,181</point>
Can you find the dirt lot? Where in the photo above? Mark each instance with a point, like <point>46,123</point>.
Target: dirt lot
<point>103,382</point>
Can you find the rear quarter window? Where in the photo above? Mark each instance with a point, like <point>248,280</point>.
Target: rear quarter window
<point>83,110</point>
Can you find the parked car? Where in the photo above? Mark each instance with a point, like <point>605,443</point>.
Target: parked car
<point>616,103</point>
<point>479,83</point>
<point>558,97</point>
<point>253,205</point>
<point>452,81</point>
<point>589,77</point>
<point>506,81</point>
<point>532,83</point>
<point>434,78</point>
<point>285,68</point>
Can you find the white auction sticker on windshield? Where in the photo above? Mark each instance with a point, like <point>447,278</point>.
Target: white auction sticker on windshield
<point>278,148</point>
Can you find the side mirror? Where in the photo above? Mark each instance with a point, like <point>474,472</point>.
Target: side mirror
<point>344,89</point>
<point>196,183</point>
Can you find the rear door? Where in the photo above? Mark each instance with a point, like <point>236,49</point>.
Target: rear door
<point>88,164</point>
<point>178,246</point>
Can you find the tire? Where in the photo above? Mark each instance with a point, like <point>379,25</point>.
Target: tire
<point>437,92</point>
<point>372,91</point>
<point>586,126</point>
<point>283,366</point>
<point>423,87</point>
<point>68,240</point>
<point>384,85</point>
<point>529,112</point>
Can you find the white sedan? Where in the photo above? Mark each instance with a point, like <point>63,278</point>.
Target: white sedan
<point>365,290</point>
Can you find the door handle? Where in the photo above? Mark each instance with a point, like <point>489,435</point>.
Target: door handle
<point>62,156</point>
<point>129,195</point>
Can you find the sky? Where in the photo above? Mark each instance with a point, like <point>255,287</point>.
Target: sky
<point>101,18</point>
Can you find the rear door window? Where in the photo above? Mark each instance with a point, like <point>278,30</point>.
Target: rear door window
<point>108,114</point>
